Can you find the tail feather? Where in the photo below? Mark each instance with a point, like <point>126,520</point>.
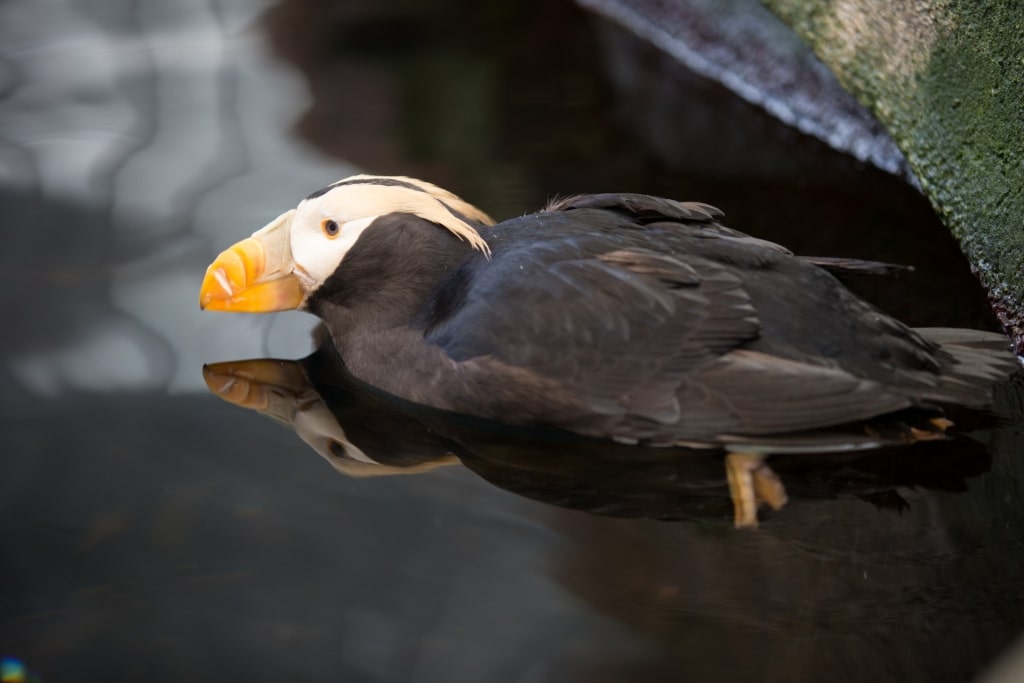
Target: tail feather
<point>980,360</point>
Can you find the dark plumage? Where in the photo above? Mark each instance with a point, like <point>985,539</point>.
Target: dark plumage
<point>623,316</point>
<point>637,320</point>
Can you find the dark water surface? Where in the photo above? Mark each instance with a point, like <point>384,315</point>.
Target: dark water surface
<point>151,531</point>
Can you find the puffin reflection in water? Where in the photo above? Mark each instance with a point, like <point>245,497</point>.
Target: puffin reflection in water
<point>363,432</point>
<point>619,316</point>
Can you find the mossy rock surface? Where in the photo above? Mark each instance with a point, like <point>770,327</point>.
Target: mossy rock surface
<point>947,80</point>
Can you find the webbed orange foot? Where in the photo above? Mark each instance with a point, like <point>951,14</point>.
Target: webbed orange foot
<point>751,483</point>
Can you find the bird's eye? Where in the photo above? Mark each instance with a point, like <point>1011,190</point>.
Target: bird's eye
<point>331,228</point>
<point>337,450</point>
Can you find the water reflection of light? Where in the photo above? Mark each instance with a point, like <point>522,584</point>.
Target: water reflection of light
<point>175,127</point>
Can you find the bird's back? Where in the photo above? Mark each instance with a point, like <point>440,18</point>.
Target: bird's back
<point>658,323</point>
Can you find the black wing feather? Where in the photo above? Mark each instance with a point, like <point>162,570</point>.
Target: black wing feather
<point>619,331</point>
<point>633,317</point>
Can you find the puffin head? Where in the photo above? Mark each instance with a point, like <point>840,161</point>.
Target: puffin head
<point>281,265</point>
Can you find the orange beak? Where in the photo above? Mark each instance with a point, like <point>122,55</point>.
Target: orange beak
<point>256,275</point>
<point>273,387</point>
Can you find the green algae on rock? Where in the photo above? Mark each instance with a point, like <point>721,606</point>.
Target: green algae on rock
<point>946,77</point>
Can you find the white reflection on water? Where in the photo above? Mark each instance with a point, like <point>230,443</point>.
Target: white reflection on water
<point>111,347</point>
<point>174,121</point>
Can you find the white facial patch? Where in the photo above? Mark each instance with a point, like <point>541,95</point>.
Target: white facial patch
<point>318,427</point>
<point>319,255</point>
<point>355,206</point>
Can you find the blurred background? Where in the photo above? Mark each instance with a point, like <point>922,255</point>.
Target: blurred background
<point>151,531</point>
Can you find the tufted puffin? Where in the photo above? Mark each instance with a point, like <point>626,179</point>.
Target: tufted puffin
<point>622,316</point>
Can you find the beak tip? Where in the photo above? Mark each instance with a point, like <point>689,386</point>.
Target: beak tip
<point>207,301</point>
<point>223,384</point>
<point>217,286</point>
